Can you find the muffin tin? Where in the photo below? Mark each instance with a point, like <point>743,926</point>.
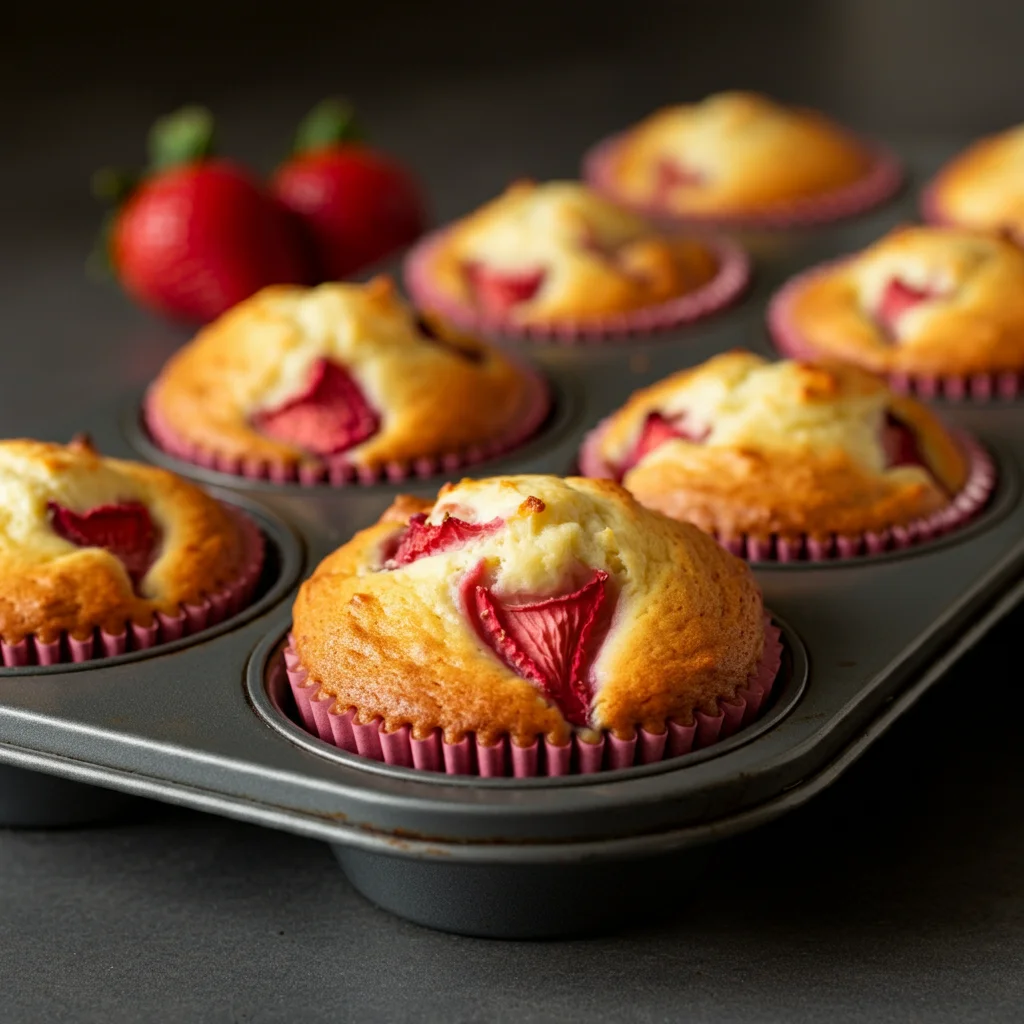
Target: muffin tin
<point>206,721</point>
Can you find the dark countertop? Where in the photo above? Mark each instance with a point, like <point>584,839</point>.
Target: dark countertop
<point>898,895</point>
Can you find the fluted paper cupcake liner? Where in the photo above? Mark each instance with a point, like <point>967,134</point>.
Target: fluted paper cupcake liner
<point>880,183</point>
<point>964,506</point>
<point>190,619</point>
<point>338,470</point>
<point>320,716</point>
<point>978,387</point>
<point>730,280</point>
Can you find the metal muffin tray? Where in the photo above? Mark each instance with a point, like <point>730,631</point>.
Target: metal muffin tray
<point>205,722</point>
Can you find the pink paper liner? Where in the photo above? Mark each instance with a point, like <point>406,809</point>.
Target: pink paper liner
<point>731,278</point>
<point>967,503</point>
<point>979,387</point>
<point>880,183</point>
<point>191,618</point>
<point>338,470</point>
<point>319,716</point>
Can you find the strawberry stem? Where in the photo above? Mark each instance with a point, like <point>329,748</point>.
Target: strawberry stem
<point>184,137</point>
<point>331,122</point>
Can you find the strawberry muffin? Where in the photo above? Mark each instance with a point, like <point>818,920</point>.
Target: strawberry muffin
<point>337,383</point>
<point>102,556</point>
<point>739,156</point>
<point>761,453</point>
<point>523,612</point>
<point>924,302</point>
<point>557,258</point>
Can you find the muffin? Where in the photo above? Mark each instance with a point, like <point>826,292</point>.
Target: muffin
<point>336,383</point>
<point>520,612</point>
<point>739,156</point>
<point>922,302</point>
<point>983,187</point>
<point>102,556</point>
<point>758,453</point>
<point>557,257</point>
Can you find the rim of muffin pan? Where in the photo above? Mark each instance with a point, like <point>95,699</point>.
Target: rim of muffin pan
<point>565,412</point>
<point>283,561</point>
<point>270,697</point>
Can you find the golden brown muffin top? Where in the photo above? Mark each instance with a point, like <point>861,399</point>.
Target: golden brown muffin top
<point>739,445</point>
<point>922,300</point>
<point>529,606</point>
<point>734,153</point>
<point>559,251</point>
<point>87,541</point>
<point>297,374</point>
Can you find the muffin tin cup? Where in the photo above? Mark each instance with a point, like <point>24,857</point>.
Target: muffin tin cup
<point>338,471</point>
<point>191,618</point>
<point>965,505</point>
<point>321,718</point>
<point>881,183</point>
<point>975,387</point>
<point>729,282</point>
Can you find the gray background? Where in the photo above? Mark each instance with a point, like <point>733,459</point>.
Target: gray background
<point>899,895</point>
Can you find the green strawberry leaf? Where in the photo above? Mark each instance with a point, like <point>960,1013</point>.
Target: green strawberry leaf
<point>183,137</point>
<point>331,122</point>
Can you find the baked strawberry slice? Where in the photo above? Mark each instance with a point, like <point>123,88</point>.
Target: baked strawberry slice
<point>125,530</point>
<point>901,444</point>
<point>422,538</point>
<point>498,291</point>
<point>657,429</point>
<point>672,174</point>
<point>897,299</point>
<point>550,642</point>
<point>330,416</point>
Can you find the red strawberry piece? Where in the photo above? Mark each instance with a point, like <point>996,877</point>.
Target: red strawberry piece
<point>897,299</point>
<point>498,291</point>
<point>901,444</point>
<point>198,235</point>
<point>357,204</point>
<point>550,642</point>
<point>422,539</point>
<point>672,175</point>
<point>125,530</point>
<point>657,430</point>
<point>330,416</point>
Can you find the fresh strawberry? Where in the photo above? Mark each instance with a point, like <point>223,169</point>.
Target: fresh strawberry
<point>357,204</point>
<point>422,539</point>
<point>125,530</point>
<point>498,291</point>
<point>330,415</point>
<point>897,299</point>
<point>548,642</point>
<point>196,235</point>
<point>657,430</point>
